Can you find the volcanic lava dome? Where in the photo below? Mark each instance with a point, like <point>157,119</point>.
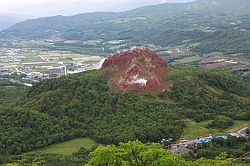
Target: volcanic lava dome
<point>139,69</point>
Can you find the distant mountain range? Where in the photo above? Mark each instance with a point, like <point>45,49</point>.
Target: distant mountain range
<point>7,20</point>
<point>71,7</point>
<point>58,7</point>
<point>214,26</point>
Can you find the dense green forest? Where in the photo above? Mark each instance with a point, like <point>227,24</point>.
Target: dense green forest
<point>234,147</point>
<point>138,154</point>
<point>11,93</point>
<point>221,25</point>
<point>125,154</point>
<point>82,105</point>
<point>203,94</point>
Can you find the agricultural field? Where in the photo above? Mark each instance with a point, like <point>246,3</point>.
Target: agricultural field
<point>187,60</point>
<point>69,147</point>
<point>194,130</point>
<point>182,55</point>
<point>49,59</point>
<point>35,64</point>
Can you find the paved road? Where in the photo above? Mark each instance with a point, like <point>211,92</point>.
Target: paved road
<point>241,132</point>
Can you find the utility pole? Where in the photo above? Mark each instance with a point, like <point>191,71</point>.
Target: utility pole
<point>65,70</point>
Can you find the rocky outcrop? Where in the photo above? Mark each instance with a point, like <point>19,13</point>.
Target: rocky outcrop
<point>139,69</point>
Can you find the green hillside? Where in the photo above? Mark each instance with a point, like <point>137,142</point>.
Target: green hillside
<point>69,147</point>
<point>221,25</point>
<point>207,93</point>
<point>11,93</point>
<point>82,105</point>
<point>80,119</point>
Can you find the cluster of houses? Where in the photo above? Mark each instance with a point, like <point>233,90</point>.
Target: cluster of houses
<point>184,146</point>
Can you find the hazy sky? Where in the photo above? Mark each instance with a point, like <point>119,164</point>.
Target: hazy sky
<point>11,4</point>
<point>6,5</point>
<point>39,8</point>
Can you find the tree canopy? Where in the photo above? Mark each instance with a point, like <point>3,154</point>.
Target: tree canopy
<point>138,154</point>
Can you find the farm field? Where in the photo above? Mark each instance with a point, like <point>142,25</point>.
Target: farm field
<point>238,124</point>
<point>194,130</point>
<point>187,60</point>
<point>69,147</point>
<point>41,64</point>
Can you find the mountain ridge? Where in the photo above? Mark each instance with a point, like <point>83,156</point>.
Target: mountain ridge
<point>73,7</point>
<point>8,19</point>
<point>77,19</point>
<point>173,24</point>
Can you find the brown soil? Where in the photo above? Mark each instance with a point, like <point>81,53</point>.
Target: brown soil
<point>139,69</point>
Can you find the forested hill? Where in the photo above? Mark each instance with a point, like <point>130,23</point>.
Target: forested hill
<point>7,20</point>
<point>219,25</point>
<point>82,105</point>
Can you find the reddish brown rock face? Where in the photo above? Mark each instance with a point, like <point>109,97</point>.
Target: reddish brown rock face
<point>139,69</point>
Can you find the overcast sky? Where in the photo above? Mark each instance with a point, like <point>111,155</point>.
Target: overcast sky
<point>42,8</point>
<point>30,7</point>
<point>6,5</point>
<point>9,5</point>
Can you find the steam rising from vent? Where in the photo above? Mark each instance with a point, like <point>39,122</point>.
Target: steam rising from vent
<point>163,1</point>
<point>101,63</point>
<point>141,81</point>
